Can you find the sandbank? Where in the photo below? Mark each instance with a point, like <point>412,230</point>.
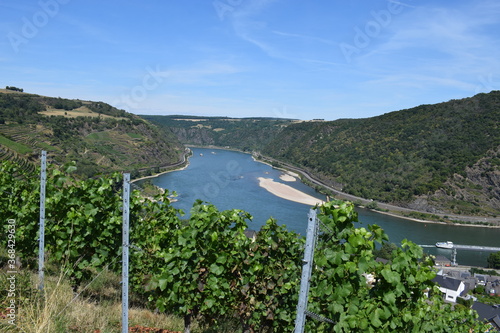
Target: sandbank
<point>288,192</point>
<point>287,178</point>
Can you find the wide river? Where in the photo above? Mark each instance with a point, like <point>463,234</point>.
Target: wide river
<point>228,179</point>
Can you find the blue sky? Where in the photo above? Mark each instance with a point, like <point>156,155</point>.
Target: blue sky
<point>243,58</point>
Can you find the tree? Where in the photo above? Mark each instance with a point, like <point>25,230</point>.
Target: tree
<point>494,260</point>
<point>14,88</point>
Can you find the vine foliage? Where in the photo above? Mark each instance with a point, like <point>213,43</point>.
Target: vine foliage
<point>205,268</point>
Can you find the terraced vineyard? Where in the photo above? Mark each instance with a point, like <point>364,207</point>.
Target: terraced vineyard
<point>9,155</point>
<point>19,145</point>
<point>97,136</point>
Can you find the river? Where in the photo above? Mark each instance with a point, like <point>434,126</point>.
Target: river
<point>228,179</point>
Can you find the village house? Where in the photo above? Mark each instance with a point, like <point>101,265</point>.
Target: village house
<point>450,287</point>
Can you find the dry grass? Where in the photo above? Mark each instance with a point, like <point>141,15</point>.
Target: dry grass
<point>82,111</point>
<point>59,312</point>
<point>37,311</point>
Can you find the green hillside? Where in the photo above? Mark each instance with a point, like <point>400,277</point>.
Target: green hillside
<point>245,134</point>
<point>99,137</point>
<point>441,158</point>
<point>437,158</point>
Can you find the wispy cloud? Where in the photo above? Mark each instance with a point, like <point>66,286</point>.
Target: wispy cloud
<point>443,29</point>
<point>445,47</point>
<point>304,37</point>
<point>92,32</point>
<point>248,25</point>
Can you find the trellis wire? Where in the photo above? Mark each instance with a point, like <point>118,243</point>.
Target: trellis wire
<point>85,288</point>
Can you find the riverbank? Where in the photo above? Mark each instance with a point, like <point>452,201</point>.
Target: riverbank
<point>435,222</point>
<point>183,165</point>
<point>160,173</point>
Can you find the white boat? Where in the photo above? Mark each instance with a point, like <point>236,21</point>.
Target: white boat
<point>445,245</point>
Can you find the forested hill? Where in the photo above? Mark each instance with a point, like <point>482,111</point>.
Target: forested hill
<point>245,134</point>
<point>437,158</point>
<point>99,137</point>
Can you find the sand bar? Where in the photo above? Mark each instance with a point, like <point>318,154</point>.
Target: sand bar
<point>288,192</point>
<point>287,178</point>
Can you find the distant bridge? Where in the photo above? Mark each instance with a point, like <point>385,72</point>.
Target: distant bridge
<point>469,247</point>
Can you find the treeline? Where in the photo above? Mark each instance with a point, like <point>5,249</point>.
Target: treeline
<point>14,88</point>
<point>20,108</point>
<point>205,268</point>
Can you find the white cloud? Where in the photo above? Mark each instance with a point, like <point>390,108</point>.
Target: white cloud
<point>448,30</point>
<point>436,48</point>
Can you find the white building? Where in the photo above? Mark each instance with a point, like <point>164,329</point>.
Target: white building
<point>450,287</point>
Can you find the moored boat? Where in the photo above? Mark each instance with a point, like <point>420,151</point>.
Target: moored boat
<point>445,245</point>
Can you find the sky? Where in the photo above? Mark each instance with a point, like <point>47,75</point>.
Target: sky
<point>252,58</point>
